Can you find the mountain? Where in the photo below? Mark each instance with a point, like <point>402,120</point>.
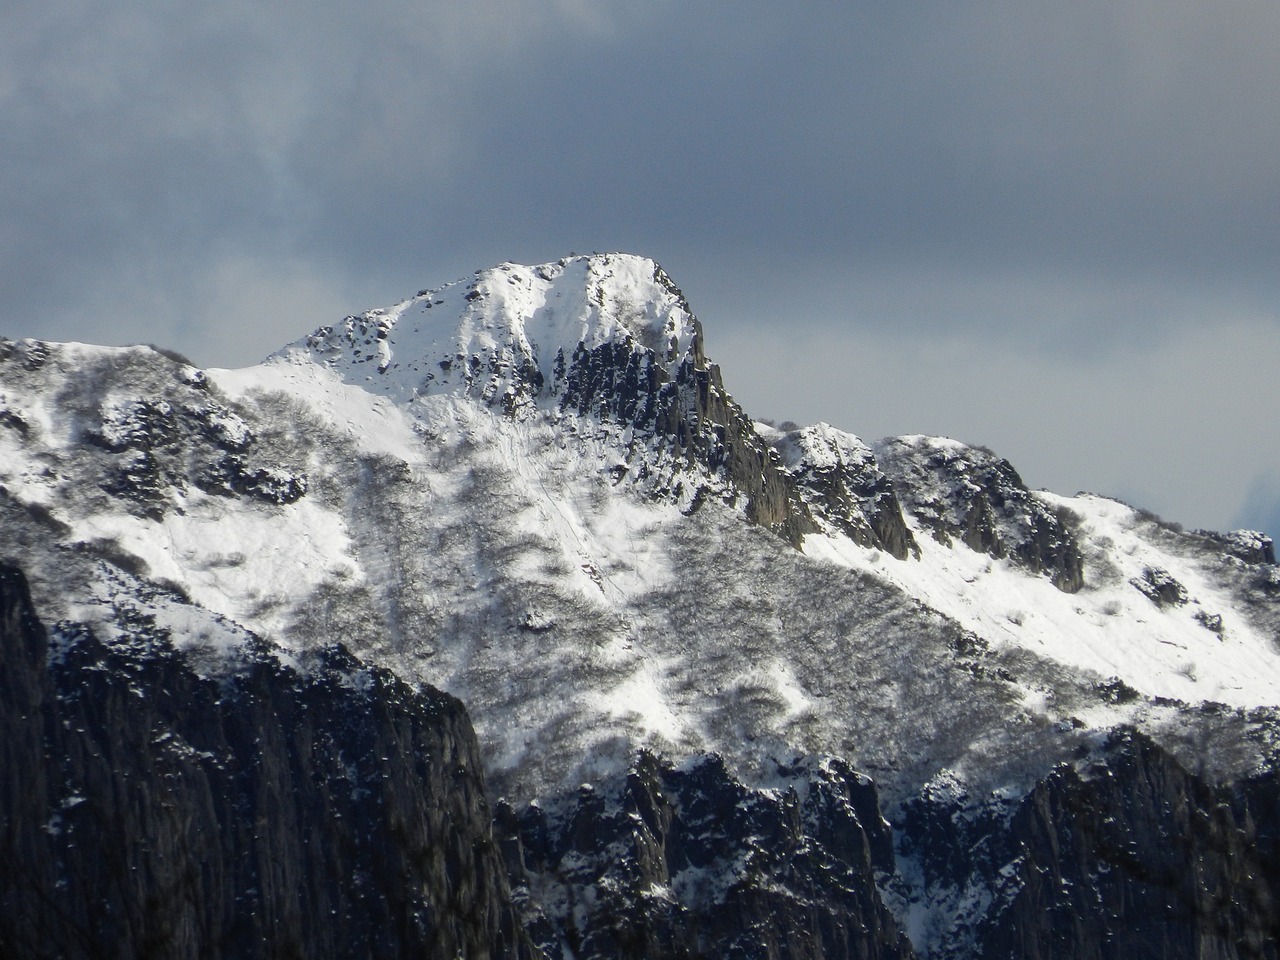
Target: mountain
<point>735,689</point>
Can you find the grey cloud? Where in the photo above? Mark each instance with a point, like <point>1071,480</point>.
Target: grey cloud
<point>1053,181</point>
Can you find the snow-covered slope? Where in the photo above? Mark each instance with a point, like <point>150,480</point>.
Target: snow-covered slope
<point>509,335</point>
<point>532,489</point>
<point>1172,615</point>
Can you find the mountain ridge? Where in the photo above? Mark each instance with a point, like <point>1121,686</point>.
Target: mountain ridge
<point>604,557</point>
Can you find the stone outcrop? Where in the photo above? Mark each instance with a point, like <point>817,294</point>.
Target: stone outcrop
<point>1135,857</point>
<point>691,863</point>
<point>838,479</point>
<point>253,810</point>
<point>969,494</point>
<point>1123,854</point>
<point>690,418</point>
<point>160,803</point>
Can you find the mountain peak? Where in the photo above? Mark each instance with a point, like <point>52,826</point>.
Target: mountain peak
<point>607,337</point>
<point>509,333</point>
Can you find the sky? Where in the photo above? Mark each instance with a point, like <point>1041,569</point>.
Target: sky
<point>1048,228</point>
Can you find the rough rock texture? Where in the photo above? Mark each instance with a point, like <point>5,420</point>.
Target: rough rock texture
<point>157,428</point>
<point>158,803</point>
<point>838,479</point>
<point>1249,546</point>
<point>1122,855</point>
<point>1134,857</point>
<point>693,419</point>
<point>259,811</point>
<point>648,380</point>
<point>691,863</point>
<point>1160,587</point>
<point>971,495</point>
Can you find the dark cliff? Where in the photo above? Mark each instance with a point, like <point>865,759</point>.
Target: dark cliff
<point>1122,855</point>
<point>691,417</point>
<point>156,805</point>
<point>964,493</point>
<point>689,862</point>
<point>838,479</point>
<point>262,811</point>
<point>1135,857</point>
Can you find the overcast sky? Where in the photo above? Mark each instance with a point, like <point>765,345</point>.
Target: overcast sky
<point>1048,228</point>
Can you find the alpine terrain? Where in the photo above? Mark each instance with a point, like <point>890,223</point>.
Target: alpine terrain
<point>489,625</point>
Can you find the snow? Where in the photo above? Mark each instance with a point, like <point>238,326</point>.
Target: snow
<point>1109,628</point>
<point>508,556</point>
<point>245,564</point>
<point>639,701</point>
<point>375,424</point>
<point>482,329</point>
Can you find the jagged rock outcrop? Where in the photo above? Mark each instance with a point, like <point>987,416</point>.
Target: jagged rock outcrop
<point>249,810</point>
<point>838,479</point>
<point>609,337</point>
<point>1160,587</point>
<point>691,417</point>
<point>483,487</point>
<point>1248,546</point>
<point>156,426</point>
<point>971,495</point>
<point>1123,854</point>
<point>1132,856</point>
<point>689,862</point>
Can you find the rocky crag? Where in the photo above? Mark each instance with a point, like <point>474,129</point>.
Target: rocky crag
<point>258,810</point>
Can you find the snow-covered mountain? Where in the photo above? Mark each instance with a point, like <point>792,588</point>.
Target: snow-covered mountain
<point>531,489</point>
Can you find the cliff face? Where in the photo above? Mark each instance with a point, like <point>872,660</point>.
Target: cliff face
<point>692,863</point>
<point>964,493</point>
<point>1135,857</point>
<point>1123,854</point>
<point>259,811</point>
<point>608,337</point>
<point>530,487</point>
<point>693,420</point>
<point>159,803</point>
<point>838,479</point>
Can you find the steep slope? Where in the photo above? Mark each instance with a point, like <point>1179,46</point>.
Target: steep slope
<point>690,862</point>
<point>532,489</point>
<point>249,809</point>
<point>607,336</point>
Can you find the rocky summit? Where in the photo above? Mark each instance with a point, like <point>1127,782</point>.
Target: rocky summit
<point>488,624</point>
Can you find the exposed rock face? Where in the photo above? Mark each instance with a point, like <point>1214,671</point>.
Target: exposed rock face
<point>609,337</point>
<point>157,428</point>
<point>165,804</point>
<point>1120,854</point>
<point>1248,546</point>
<point>971,495</point>
<point>1252,546</point>
<point>263,811</point>
<point>1126,855</point>
<point>692,863</point>
<point>1160,587</point>
<point>693,420</point>
<point>838,479</point>
<point>1134,857</point>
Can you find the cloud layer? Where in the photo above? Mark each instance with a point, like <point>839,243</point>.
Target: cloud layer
<point>1049,229</point>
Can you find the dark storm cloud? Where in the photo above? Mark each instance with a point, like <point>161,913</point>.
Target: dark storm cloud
<point>1073,182</point>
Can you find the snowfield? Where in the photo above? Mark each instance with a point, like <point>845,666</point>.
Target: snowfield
<point>1201,650</point>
